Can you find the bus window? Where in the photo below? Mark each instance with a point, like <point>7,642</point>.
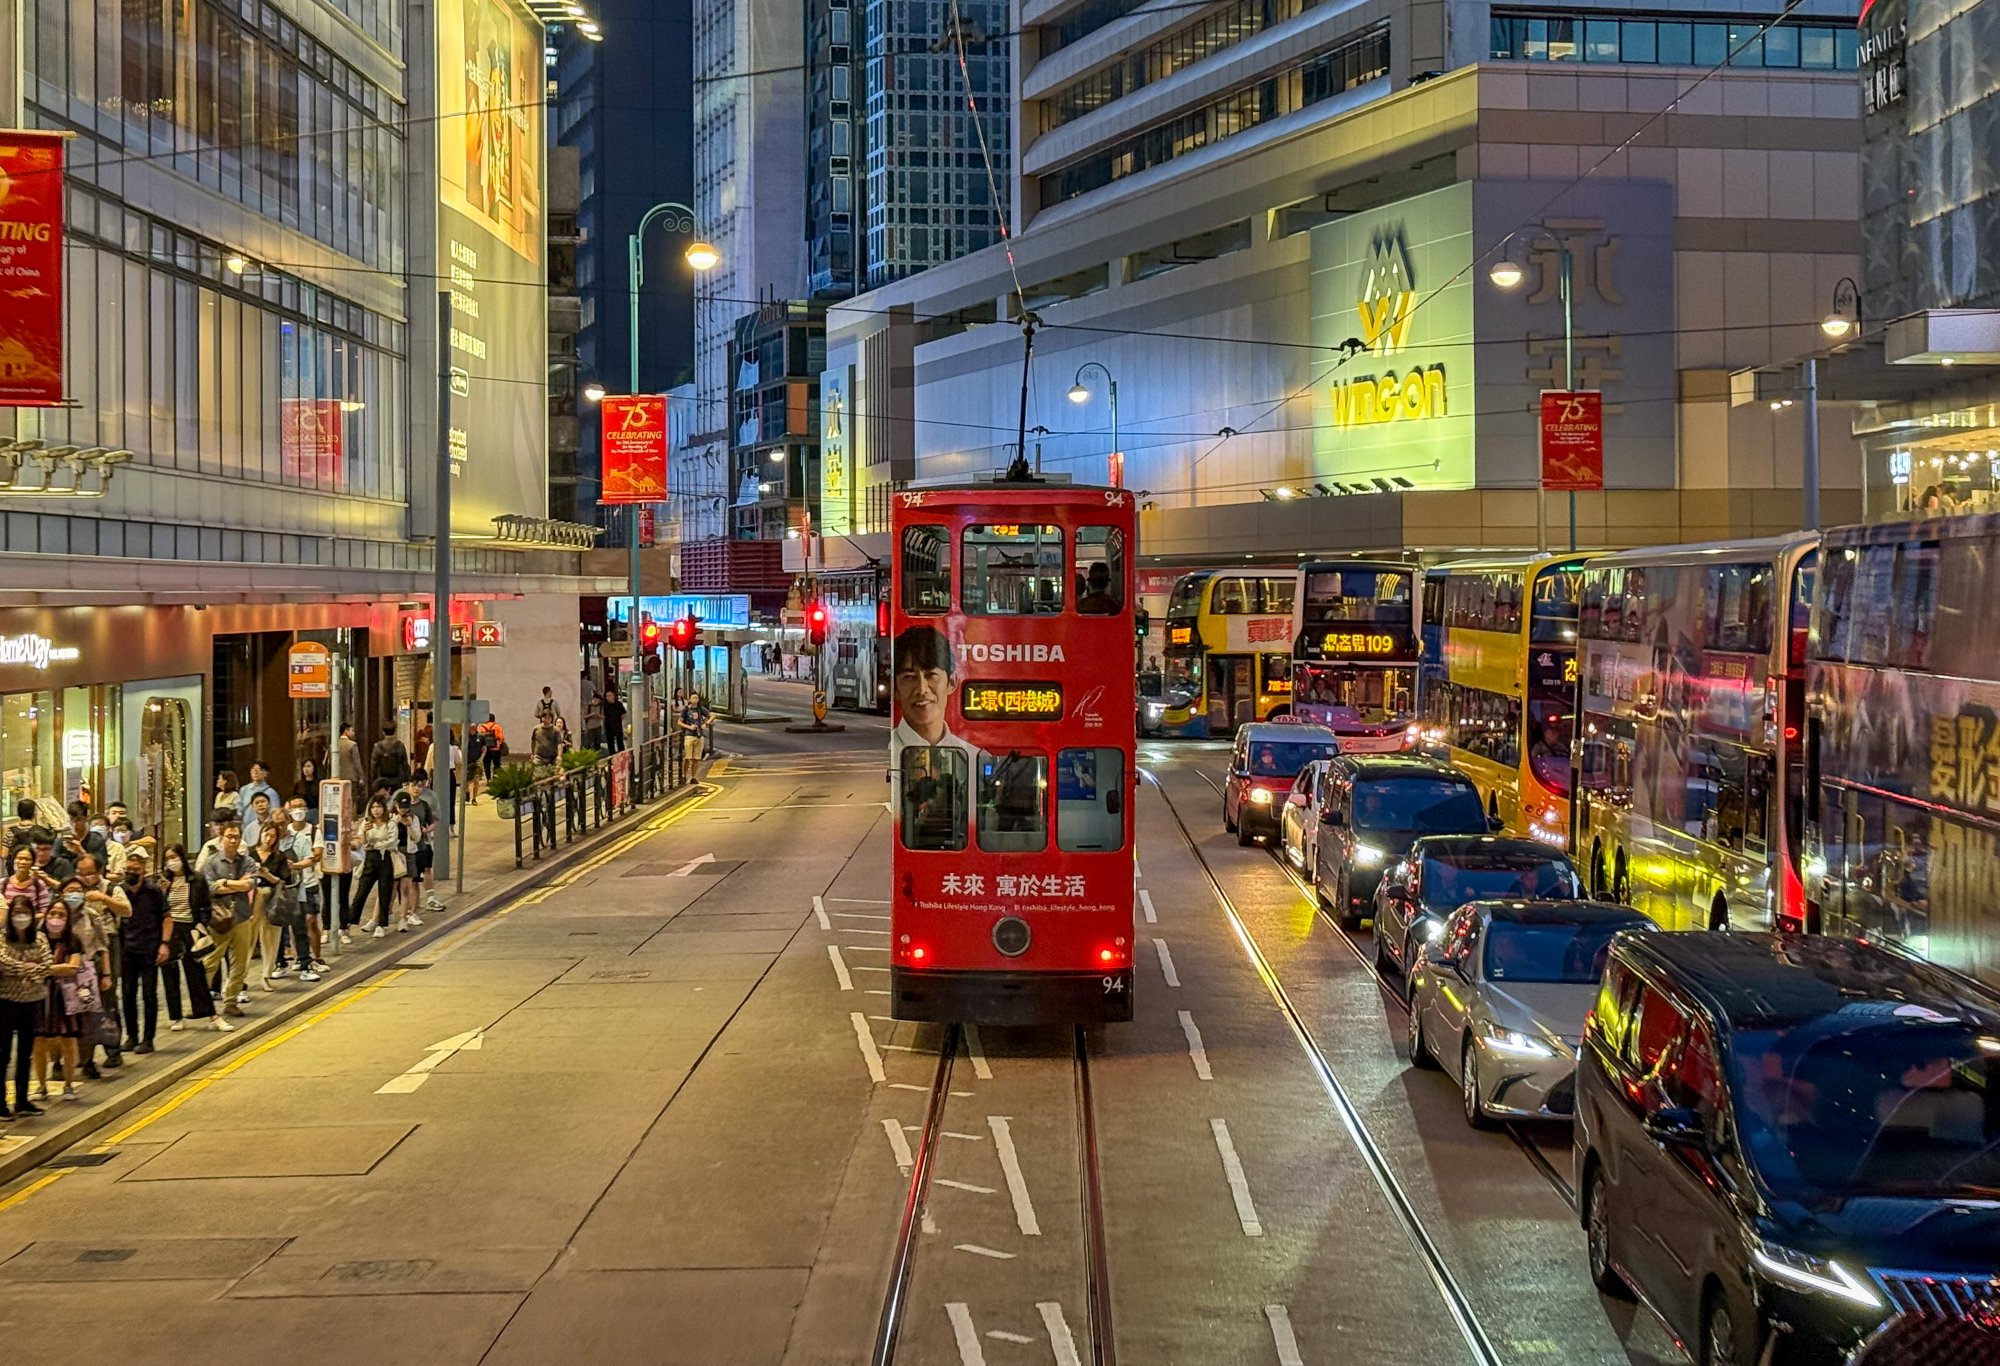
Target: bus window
<point>1873,606</point>
<point>1277,674</point>
<point>1915,613</point>
<point>1552,618</point>
<point>932,794</point>
<point>1013,802</point>
<point>1100,570</point>
<point>1232,597</point>
<point>1090,799</point>
<point>1012,571</point>
<point>1607,759</point>
<point>926,569</point>
<point>1739,607</point>
<point>1801,611</point>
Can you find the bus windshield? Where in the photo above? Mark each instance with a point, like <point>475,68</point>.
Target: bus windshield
<point>1357,596</point>
<point>1349,695</point>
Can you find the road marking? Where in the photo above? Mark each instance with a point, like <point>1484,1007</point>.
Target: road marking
<point>840,967</point>
<point>861,900</point>
<point>868,948</point>
<point>1281,1335</point>
<point>686,868</point>
<point>866,1040</point>
<point>819,909</point>
<point>849,929</point>
<point>1146,905</point>
<point>859,968</point>
<point>857,915</point>
<point>899,1145</point>
<point>965,1186</point>
<point>1195,1050</point>
<point>872,991</point>
<point>1167,963</point>
<point>978,1251</point>
<point>970,1353</point>
<point>1239,1185</point>
<point>469,1042</point>
<point>1002,1335</point>
<point>1010,1167</point>
<point>1059,1335</point>
<point>973,1050</point>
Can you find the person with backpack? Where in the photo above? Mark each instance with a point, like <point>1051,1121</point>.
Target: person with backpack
<point>389,762</point>
<point>478,744</point>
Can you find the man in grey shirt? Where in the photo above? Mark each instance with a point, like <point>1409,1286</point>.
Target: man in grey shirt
<point>230,874</point>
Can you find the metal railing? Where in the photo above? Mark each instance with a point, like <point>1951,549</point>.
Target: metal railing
<point>572,804</point>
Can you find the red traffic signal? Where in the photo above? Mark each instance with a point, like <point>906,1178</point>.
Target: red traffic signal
<point>649,634</point>
<point>684,635</point>
<point>816,620</point>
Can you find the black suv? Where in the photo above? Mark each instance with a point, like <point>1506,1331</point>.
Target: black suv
<point>1781,1141</point>
<point>1375,806</point>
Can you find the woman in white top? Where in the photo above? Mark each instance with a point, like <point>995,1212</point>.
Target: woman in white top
<point>376,839</point>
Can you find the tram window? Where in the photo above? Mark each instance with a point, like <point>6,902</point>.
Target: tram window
<point>1012,571</point>
<point>1013,802</point>
<point>1100,570</point>
<point>932,796</point>
<point>1090,799</point>
<point>926,569</point>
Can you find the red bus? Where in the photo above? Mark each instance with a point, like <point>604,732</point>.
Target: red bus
<point>1011,759</point>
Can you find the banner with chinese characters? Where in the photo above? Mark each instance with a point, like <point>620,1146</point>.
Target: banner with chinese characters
<point>1572,440</point>
<point>31,262</point>
<point>634,448</point>
<point>309,440</point>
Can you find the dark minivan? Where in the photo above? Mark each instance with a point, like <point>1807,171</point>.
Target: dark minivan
<point>1376,804</point>
<point>1781,1141</point>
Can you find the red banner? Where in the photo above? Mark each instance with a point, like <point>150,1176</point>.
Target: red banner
<point>635,448</point>
<point>309,440</point>
<point>1572,440</point>
<point>31,256</point>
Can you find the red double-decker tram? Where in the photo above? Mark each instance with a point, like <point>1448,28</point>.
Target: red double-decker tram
<point>1011,763</point>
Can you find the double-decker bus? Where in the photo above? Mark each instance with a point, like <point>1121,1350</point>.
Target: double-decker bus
<point>1011,757</point>
<point>857,638</point>
<point>1691,659</point>
<point>1903,739</point>
<point>1228,653</point>
<point>1499,682</point>
<point>1354,652</point>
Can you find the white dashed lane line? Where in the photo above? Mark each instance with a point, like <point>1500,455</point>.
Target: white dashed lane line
<point>1166,963</point>
<point>1239,1185</point>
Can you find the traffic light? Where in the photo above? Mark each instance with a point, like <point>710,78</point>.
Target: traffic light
<point>1142,623</point>
<point>816,623</point>
<point>684,634</point>
<point>649,634</point>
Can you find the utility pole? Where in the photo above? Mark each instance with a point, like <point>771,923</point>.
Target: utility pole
<point>441,597</point>
<point>1811,446</point>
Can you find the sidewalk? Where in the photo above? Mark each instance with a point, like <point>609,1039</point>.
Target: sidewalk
<point>491,880</point>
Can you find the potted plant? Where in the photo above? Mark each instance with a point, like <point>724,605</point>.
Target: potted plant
<point>575,759</point>
<point>508,785</point>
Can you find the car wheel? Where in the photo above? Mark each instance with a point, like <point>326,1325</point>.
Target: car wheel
<point>1350,918</point>
<point>1468,1085</point>
<point>1381,952</point>
<point>1420,1056</point>
<point>1227,824</point>
<point>1243,835</point>
<point>1597,1240</point>
<point>1721,1341</point>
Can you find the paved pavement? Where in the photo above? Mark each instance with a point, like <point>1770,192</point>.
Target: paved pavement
<point>655,1112</point>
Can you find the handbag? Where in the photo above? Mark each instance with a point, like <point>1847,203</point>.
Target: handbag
<point>283,909</point>
<point>79,993</point>
<point>399,863</point>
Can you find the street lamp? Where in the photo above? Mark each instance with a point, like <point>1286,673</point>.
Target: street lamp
<point>593,392</point>
<point>1079,392</point>
<point>1846,301</point>
<point>1506,273</point>
<point>674,217</point>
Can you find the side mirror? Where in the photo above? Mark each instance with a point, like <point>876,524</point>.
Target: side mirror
<point>1334,818</point>
<point>1495,824</point>
<point>1675,1125</point>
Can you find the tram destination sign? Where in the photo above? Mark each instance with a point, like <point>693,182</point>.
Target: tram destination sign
<point>1011,701</point>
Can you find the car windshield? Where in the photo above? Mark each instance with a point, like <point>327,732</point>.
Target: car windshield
<point>1451,880</point>
<point>1284,758</point>
<point>1549,953</point>
<point>1902,1101</point>
<point>1425,806</point>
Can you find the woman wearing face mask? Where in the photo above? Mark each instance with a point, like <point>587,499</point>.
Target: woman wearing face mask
<point>377,840</point>
<point>303,850</point>
<point>24,981</point>
<point>145,944</point>
<point>26,880</point>
<point>187,906</point>
<point>306,789</point>
<point>273,874</point>
<point>71,994</point>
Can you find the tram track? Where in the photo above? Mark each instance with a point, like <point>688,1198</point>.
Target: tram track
<point>1513,1129</point>
<point>1098,1350</point>
<point>1444,1281</point>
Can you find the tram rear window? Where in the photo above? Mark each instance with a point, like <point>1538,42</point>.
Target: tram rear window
<point>1013,802</point>
<point>1090,799</point>
<point>1100,570</point>
<point>1012,571</point>
<point>932,795</point>
<point>926,569</point>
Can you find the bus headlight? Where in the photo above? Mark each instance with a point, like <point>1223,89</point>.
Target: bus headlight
<point>1368,856</point>
<point>1260,796</point>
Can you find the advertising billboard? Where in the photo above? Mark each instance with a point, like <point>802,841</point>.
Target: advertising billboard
<point>491,231</point>
<point>31,262</point>
<point>836,452</point>
<point>1572,440</point>
<point>633,440</point>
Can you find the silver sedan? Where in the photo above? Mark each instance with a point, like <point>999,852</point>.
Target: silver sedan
<point>1499,1001</point>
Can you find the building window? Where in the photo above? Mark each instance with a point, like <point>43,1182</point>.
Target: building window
<point>1663,40</point>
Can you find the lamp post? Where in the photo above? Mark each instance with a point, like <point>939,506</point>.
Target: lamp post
<point>1846,301</point>
<point>700,256</point>
<point>1507,274</point>
<point>1079,392</point>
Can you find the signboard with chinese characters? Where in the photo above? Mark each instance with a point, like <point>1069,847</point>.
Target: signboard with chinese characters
<point>1619,239</point>
<point>1883,55</point>
<point>1011,701</point>
<point>310,440</point>
<point>31,264</point>
<point>836,453</point>
<point>1255,635</point>
<point>1396,280</point>
<point>1363,644</point>
<point>490,251</point>
<point>309,670</point>
<point>634,447</point>
<point>1572,440</point>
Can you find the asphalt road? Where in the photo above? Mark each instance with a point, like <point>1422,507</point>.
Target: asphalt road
<point>656,1114</point>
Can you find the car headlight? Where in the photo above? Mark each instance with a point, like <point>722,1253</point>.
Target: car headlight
<point>1260,796</point>
<point>1806,1272</point>
<point>1154,710</point>
<point>1515,1042</point>
<point>1368,856</point>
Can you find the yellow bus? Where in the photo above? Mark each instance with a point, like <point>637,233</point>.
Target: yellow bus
<point>1228,651</point>
<point>1497,686</point>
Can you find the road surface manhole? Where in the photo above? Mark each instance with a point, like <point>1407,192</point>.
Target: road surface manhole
<point>628,975</point>
<point>382,1271</point>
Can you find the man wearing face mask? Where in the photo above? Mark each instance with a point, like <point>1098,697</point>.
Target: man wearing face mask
<point>142,937</point>
<point>105,908</point>
<point>302,847</point>
<point>231,874</point>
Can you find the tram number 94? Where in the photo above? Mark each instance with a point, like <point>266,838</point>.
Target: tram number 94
<point>1114,986</point>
